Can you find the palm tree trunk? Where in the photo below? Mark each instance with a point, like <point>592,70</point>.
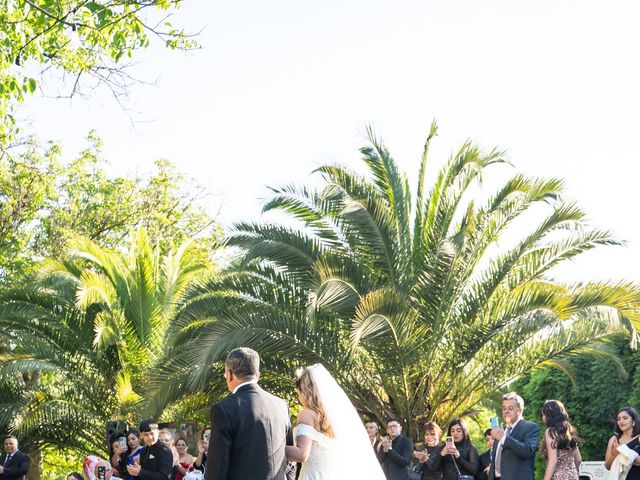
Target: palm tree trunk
<point>36,466</point>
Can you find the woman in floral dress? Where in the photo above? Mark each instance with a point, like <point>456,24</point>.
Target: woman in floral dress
<point>560,444</point>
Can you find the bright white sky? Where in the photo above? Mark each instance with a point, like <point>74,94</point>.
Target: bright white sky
<point>281,87</point>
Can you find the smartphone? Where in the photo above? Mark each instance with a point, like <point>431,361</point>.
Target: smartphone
<point>449,440</point>
<point>102,472</point>
<point>494,422</point>
<point>122,441</point>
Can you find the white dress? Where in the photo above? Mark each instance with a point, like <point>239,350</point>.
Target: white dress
<point>321,461</point>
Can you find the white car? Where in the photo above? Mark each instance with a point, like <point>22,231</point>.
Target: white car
<point>593,470</point>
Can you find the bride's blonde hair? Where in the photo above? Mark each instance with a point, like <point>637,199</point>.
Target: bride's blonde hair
<point>305,385</point>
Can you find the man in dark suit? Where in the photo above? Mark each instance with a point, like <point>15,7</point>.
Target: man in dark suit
<point>250,427</point>
<point>397,451</point>
<point>156,459</point>
<point>515,447</point>
<point>13,464</point>
<point>485,458</point>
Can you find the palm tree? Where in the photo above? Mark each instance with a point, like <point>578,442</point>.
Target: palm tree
<point>420,308</point>
<point>78,340</point>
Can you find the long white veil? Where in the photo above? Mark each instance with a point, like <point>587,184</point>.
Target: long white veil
<point>354,454</point>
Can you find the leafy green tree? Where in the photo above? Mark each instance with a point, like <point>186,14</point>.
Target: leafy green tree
<point>418,305</point>
<point>79,339</point>
<point>166,204</point>
<point>82,39</point>
<point>27,184</point>
<point>44,202</point>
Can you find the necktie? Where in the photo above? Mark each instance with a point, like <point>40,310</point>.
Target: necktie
<point>6,460</point>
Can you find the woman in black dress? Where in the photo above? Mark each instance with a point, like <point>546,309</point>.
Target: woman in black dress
<point>432,434</point>
<point>626,432</point>
<point>457,453</point>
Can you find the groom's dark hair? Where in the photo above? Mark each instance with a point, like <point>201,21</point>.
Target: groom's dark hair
<point>243,362</point>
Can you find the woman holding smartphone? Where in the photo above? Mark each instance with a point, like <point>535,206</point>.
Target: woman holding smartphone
<point>118,447</point>
<point>457,456</point>
<point>200,463</point>
<point>132,455</point>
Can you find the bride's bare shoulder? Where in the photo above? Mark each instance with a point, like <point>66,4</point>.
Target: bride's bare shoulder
<point>307,416</point>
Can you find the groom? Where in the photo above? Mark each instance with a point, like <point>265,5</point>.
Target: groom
<point>250,427</point>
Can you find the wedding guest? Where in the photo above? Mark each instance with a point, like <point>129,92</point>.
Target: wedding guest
<point>627,432</point>
<point>13,464</point>
<point>485,458</point>
<point>165,436</point>
<point>457,456</point>
<point>156,459</point>
<point>200,462</point>
<point>374,437</point>
<point>432,434</point>
<point>515,447</point>
<point>109,473</point>
<point>397,451</point>
<point>74,476</point>
<point>560,443</point>
<point>117,450</point>
<point>185,460</point>
<point>132,455</point>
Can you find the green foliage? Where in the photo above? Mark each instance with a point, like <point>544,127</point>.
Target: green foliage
<point>406,299</point>
<point>79,340</point>
<point>27,186</point>
<point>78,38</point>
<point>44,203</point>
<point>59,463</point>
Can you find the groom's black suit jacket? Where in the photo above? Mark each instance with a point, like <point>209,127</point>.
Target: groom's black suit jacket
<point>249,432</point>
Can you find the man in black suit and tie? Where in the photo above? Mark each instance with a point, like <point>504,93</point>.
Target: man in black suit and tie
<point>397,451</point>
<point>156,459</point>
<point>13,464</point>
<point>250,428</point>
<point>485,458</point>
<point>514,448</point>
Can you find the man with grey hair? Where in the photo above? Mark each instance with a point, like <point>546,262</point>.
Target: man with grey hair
<point>13,464</point>
<point>250,428</point>
<point>515,446</point>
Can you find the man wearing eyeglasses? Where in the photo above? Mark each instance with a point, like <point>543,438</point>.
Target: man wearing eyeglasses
<point>396,452</point>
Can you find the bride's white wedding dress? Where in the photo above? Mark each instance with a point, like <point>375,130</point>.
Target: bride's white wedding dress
<point>348,456</point>
<point>321,459</point>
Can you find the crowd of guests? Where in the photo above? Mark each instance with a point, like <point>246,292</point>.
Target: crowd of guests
<point>511,448</point>
<point>149,453</point>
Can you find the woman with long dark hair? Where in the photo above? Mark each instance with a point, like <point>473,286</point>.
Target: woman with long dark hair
<point>560,443</point>
<point>626,432</point>
<point>132,454</point>
<point>457,455</point>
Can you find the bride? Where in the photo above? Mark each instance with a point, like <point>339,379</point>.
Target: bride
<point>331,441</point>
